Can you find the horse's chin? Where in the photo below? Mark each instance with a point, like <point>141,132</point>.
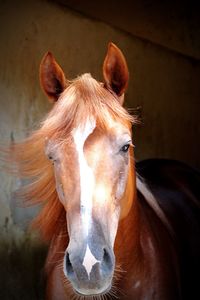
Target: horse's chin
<point>92,293</point>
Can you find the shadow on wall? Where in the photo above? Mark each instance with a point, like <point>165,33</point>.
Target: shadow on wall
<point>21,272</point>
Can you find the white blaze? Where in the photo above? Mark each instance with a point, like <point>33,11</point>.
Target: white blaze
<point>80,135</point>
<point>89,261</point>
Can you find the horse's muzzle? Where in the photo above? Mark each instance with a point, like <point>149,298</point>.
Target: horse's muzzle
<point>92,273</point>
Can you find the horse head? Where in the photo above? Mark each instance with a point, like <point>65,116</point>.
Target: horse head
<point>89,141</point>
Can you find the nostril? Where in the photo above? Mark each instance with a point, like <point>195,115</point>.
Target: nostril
<point>107,260</point>
<point>68,265</point>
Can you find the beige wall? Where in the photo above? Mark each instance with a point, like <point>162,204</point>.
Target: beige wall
<point>173,24</point>
<point>164,84</point>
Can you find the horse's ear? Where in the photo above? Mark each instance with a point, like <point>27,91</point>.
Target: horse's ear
<point>115,71</point>
<point>52,77</point>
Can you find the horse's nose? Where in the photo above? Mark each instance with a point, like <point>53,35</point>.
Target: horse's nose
<point>107,262</point>
<point>73,263</point>
<point>69,268</point>
<point>91,274</point>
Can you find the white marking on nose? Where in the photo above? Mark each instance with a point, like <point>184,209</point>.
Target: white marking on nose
<point>89,261</point>
<point>80,135</point>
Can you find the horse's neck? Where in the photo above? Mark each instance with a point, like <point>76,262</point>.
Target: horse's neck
<point>145,252</point>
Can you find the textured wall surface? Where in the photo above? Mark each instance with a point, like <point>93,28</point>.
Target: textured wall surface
<point>164,84</point>
<point>172,24</point>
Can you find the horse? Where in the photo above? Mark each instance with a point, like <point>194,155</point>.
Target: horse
<point>116,228</point>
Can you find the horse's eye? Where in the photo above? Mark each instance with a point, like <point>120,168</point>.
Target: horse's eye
<point>125,148</point>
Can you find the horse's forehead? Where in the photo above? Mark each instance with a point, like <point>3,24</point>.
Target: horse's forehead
<point>81,133</point>
<point>113,130</point>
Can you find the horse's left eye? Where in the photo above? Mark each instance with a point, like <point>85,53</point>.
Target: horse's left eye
<point>125,148</point>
